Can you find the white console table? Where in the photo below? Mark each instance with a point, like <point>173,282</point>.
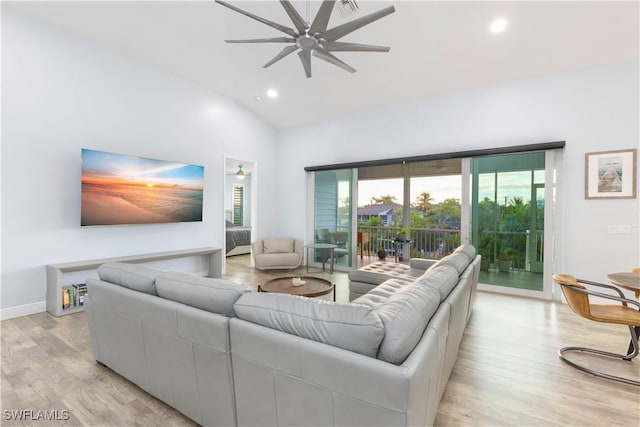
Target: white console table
<point>56,271</point>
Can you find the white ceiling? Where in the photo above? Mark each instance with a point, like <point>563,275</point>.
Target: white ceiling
<point>436,47</point>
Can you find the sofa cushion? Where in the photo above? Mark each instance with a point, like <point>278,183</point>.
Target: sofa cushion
<point>468,250</point>
<point>281,260</point>
<point>405,315</point>
<point>441,278</point>
<point>277,246</point>
<point>353,327</point>
<point>130,276</point>
<point>214,295</point>
<point>378,272</point>
<point>457,260</point>
<point>387,288</point>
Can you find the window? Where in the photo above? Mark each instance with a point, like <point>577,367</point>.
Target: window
<point>238,205</point>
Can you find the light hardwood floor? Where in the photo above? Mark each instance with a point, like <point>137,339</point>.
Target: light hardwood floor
<point>507,372</point>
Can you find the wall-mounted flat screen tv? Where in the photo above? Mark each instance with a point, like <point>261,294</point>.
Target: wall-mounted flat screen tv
<point>122,189</point>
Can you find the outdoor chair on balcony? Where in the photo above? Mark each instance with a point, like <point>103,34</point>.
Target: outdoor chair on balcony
<point>627,313</point>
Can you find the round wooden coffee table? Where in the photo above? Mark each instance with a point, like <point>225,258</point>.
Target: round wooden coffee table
<point>313,287</point>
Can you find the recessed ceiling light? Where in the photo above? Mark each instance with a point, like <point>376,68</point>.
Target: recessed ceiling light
<point>498,25</point>
<point>272,93</point>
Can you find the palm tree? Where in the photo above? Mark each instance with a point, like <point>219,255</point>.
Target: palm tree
<point>387,199</point>
<point>423,202</point>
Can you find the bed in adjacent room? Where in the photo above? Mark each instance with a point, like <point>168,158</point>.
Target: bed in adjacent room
<point>238,239</point>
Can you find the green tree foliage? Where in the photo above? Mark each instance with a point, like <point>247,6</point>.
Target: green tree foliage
<point>387,199</point>
<point>374,221</point>
<point>423,202</point>
<point>447,214</point>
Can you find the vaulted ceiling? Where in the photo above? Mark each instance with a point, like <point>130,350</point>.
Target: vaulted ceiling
<point>436,47</point>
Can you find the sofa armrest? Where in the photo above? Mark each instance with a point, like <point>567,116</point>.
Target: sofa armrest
<point>421,263</point>
<point>257,247</point>
<point>298,247</point>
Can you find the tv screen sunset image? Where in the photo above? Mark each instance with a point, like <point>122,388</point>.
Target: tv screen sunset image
<point>122,189</point>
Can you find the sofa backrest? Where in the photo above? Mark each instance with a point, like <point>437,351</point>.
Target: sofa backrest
<point>458,260</point>
<point>405,315</point>
<point>468,250</point>
<point>353,327</point>
<point>130,276</point>
<point>277,246</point>
<point>214,295</point>
<point>442,278</point>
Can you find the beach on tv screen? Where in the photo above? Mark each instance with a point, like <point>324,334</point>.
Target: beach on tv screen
<point>123,189</point>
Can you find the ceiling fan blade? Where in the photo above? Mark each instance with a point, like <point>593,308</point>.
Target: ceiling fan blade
<point>305,57</point>
<point>297,20</point>
<point>321,20</point>
<point>349,27</point>
<point>275,25</point>
<point>271,40</point>
<point>284,52</point>
<point>326,56</point>
<point>353,47</point>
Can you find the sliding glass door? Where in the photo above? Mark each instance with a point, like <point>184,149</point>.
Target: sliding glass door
<point>508,212</point>
<point>333,217</point>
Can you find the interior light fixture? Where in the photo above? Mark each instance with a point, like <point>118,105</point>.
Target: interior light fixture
<point>498,25</point>
<point>240,173</point>
<point>272,93</point>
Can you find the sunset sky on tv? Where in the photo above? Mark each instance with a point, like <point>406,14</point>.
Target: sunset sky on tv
<point>99,167</point>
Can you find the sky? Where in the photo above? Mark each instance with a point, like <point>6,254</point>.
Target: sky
<point>510,185</point>
<point>103,166</point>
<point>440,188</point>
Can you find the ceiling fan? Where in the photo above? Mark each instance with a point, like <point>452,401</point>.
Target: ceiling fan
<point>315,39</point>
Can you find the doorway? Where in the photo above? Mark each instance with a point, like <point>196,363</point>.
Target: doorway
<point>240,213</point>
<point>508,212</point>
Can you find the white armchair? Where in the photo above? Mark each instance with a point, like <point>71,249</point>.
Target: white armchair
<point>277,253</point>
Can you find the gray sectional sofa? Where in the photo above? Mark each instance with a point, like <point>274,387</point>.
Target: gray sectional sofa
<point>225,356</point>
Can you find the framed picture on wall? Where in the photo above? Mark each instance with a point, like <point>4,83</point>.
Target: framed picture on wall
<point>610,175</point>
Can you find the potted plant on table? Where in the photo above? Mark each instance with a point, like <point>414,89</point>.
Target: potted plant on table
<point>505,261</point>
<point>403,235</point>
<point>486,251</point>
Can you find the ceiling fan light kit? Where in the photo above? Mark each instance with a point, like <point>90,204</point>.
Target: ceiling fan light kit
<point>314,38</point>
<point>240,174</point>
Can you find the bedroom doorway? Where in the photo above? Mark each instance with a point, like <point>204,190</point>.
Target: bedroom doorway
<point>239,206</point>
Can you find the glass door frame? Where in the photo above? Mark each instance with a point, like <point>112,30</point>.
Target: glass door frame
<point>552,229</point>
<point>310,233</point>
<point>553,215</point>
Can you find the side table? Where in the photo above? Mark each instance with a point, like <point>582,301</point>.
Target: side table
<point>324,247</point>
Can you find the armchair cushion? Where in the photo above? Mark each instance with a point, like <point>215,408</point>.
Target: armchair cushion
<point>276,246</point>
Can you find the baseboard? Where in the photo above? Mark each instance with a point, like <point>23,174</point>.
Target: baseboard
<point>22,310</point>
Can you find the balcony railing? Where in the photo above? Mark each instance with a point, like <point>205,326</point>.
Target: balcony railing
<point>425,242</point>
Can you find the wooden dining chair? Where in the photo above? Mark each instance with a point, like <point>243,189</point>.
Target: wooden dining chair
<point>626,313</point>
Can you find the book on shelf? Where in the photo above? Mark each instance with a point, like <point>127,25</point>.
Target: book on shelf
<point>73,295</point>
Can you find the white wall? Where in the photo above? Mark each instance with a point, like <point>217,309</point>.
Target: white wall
<point>61,94</point>
<point>592,110</point>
